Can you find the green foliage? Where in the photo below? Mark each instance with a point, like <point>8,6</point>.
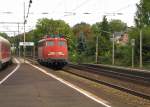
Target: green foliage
<point>123,55</point>
<point>4,35</point>
<point>96,28</point>
<point>49,26</point>
<point>82,33</point>
<point>117,26</point>
<point>102,30</point>
<point>142,17</point>
<point>82,27</point>
<point>105,29</point>
<point>134,33</point>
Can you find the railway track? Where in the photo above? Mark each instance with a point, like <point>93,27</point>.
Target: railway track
<point>137,77</point>
<point>96,70</point>
<point>93,70</point>
<point>139,73</point>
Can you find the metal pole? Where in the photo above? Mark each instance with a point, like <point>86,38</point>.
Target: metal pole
<point>113,50</point>
<point>96,50</point>
<point>132,56</point>
<point>24,34</point>
<point>33,52</point>
<point>14,44</point>
<point>141,63</point>
<point>19,41</point>
<point>132,44</point>
<point>19,50</point>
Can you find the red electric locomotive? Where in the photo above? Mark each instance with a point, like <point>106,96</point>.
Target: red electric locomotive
<point>53,51</point>
<point>5,52</point>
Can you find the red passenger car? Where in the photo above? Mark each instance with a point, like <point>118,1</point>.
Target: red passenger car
<point>5,52</point>
<point>53,51</point>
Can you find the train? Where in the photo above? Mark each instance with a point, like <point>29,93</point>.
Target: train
<point>53,51</point>
<point>5,52</point>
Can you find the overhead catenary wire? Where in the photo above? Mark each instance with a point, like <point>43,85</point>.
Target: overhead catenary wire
<point>58,4</point>
<point>78,6</point>
<point>125,7</point>
<point>111,13</point>
<point>118,11</point>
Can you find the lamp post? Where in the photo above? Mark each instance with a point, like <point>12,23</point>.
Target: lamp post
<point>113,50</point>
<point>96,58</point>
<point>25,20</point>
<point>132,44</point>
<point>24,34</point>
<point>141,62</point>
<point>142,25</point>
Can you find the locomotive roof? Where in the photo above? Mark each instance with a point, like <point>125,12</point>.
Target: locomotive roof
<point>4,40</point>
<point>46,39</point>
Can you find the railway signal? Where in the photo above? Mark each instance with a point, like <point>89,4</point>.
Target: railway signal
<point>81,43</point>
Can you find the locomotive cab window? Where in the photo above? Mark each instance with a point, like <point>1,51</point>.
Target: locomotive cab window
<point>61,43</point>
<point>50,43</point>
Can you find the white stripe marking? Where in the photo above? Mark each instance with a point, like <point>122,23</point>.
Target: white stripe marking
<point>82,91</point>
<point>4,79</point>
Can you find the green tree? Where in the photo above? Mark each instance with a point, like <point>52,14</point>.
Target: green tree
<point>96,29</point>
<point>117,26</point>
<point>82,27</point>
<point>123,55</point>
<point>49,26</point>
<point>105,43</point>
<point>134,33</point>
<point>82,33</point>
<point>105,28</point>
<point>102,30</point>
<point>96,32</point>
<point>4,35</point>
<point>142,17</point>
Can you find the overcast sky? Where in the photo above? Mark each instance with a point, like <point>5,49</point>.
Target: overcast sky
<point>58,9</point>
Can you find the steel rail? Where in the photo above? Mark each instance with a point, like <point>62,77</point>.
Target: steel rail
<point>112,73</point>
<point>121,88</point>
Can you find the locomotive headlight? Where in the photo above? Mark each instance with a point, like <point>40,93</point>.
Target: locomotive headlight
<point>54,53</point>
<point>51,53</point>
<point>60,53</point>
